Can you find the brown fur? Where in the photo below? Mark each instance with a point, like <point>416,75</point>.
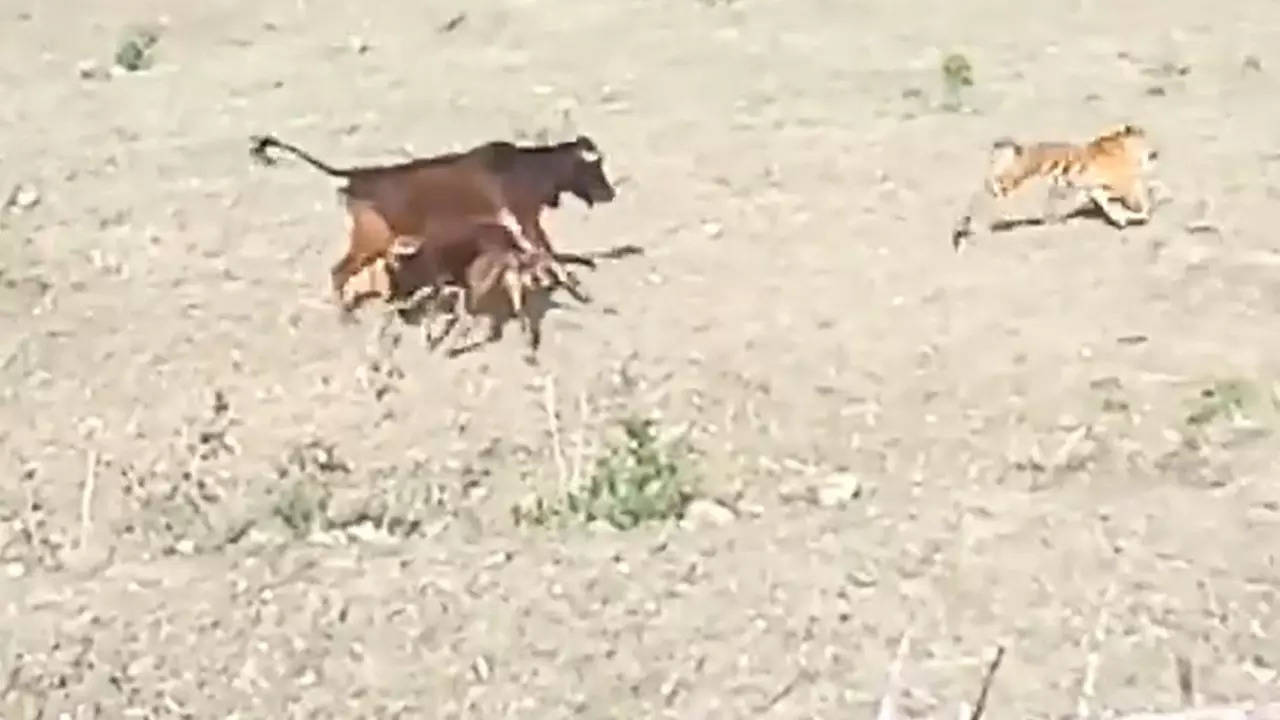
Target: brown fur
<point>484,263</point>
<point>1109,171</point>
<point>496,181</point>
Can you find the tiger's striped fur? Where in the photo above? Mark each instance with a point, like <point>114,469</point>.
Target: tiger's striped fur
<point>1109,170</point>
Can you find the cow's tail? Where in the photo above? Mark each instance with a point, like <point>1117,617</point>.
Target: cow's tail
<point>260,144</point>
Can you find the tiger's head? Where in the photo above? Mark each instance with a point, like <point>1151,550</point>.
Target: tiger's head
<point>1007,158</point>
<point>1133,141</point>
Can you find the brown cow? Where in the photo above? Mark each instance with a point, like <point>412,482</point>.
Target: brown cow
<point>495,181</point>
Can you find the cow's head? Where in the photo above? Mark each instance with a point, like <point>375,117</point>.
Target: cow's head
<point>583,172</point>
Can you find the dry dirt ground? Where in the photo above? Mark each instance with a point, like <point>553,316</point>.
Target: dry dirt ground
<point>289,517</point>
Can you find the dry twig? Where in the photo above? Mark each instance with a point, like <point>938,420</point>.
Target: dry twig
<point>782,692</point>
<point>1266,711</point>
<point>1088,688</point>
<point>893,684</point>
<point>86,497</point>
<point>980,705</point>
<point>580,442</point>
<point>553,424</point>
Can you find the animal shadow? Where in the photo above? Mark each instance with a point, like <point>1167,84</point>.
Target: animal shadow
<point>619,252</point>
<point>1089,211</point>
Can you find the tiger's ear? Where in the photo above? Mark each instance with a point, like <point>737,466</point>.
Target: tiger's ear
<point>1006,144</point>
<point>1121,131</point>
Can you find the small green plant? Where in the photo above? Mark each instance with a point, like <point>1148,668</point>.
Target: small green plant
<point>637,480</point>
<point>1231,400</point>
<point>303,473</point>
<point>301,509</point>
<point>957,74</point>
<point>133,53</point>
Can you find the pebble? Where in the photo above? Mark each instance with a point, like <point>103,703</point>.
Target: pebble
<point>838,489</point>
<point>23,197</point>
<point>91,70</point>
<point>703,513</point>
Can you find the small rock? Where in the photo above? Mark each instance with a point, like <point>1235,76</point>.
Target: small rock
<point>330,538</point>
<point>609,93</point>
<point>367,532</point>
<point>23,197</point>
<point>501,557</point>
<point>703,513</point>
<point>712,229</point>
<point>838,489</point>
<point>601,526</point>
<point>15,570</point>
<point>453,23</point>
<point>481,670</point>
<point>91,70</point>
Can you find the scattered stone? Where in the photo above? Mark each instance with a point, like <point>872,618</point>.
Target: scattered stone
<point>837,490</point>
<point>601,526</point>
<point>704,513</point>
<point>481,670</point>
<point>22,198</point>
<point>502,557</point>
<point>91,70</point>
<point>610,94</point>
<point>367,532</point>
<point>453,23</point>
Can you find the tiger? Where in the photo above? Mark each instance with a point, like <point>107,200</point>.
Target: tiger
<point>1110,170</point>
